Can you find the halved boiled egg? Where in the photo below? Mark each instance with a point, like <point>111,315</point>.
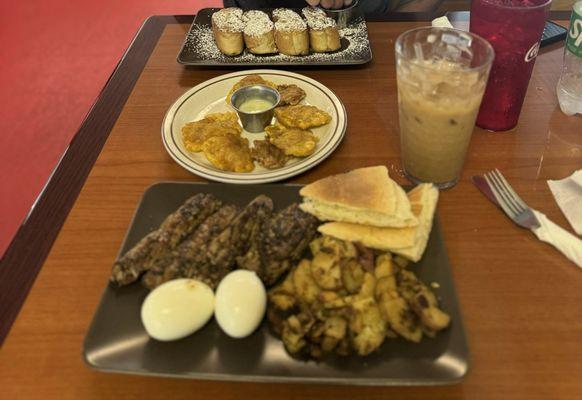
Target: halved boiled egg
<point>241,301</point>
<point>177,309</point>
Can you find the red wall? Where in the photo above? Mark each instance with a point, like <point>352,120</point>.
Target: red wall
<point>55,56</point>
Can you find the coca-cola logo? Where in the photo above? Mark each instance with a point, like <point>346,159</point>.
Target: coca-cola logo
<point>532,52</point>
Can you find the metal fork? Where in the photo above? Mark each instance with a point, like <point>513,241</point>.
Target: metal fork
<point>496,188</point>
<point>510,202</point>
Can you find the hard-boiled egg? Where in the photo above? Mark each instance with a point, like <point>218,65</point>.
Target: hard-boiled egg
<point>241,301</point>
<point>177,309</point>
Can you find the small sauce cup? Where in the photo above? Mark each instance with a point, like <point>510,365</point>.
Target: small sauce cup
<point>343,16</point>
<point>255,121</point>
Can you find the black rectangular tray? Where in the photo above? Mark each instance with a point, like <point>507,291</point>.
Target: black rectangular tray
<point>199,48</point>
<point>117,341</point>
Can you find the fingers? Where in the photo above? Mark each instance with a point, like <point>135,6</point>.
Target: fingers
<point>335,4</point>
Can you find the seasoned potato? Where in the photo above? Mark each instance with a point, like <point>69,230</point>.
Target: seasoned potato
<point>400,318</point>
<point>401,261</point>
<point>305,287</point>
<point>316,332</point>
<point>367,326</point>
<point>352,275</point>
<point>287,284</point>
<point>293,336</point>
<point>281,306</point>
<point>326,271</point>
<point>387,285</point>
<point>335,329</point>
<point>335,304</point>
<point>294,330</point>
<point>425,305</point>
<point>282,301</point>
<point>339,248</point>
<point>433,318</point>
<point>384,266</point>
<point>329,297</point>
<point>368,287</point>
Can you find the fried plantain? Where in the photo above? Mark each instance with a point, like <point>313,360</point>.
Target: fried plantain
<point>302,116</point>
<point>249,80</point>
<point>268,155</point>
<point>229,153</point>
<point>290,94</point>
<point>293,142</point>
<point>194,134</point>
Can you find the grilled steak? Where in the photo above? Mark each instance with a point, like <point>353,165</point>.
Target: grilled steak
<point>280,244</point>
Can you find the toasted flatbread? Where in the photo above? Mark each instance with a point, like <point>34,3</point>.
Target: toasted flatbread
<point>428,196</point>
<point>410,242</point>
<point>364,196</point>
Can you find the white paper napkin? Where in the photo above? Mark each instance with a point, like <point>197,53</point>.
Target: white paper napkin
<point>568,195</point>
<point>561,239</point>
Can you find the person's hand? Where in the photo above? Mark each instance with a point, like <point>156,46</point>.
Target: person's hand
<point>329,3</point>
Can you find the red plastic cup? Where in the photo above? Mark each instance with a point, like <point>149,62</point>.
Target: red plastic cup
<point>514,29</point>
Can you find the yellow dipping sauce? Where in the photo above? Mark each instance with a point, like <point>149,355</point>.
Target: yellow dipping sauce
<point>255,105</point>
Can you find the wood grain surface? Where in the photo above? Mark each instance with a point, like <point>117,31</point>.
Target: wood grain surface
<point>520,298</point>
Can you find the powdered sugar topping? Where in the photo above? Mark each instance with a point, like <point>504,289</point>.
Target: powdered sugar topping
<point>319,24</point>
<point>312,13</point>
<point>200,46</point>
<point>229,19</point>
<point>256,23</point>
<point>290,24</point>
<point>285,13</point>
<point>317,19</point>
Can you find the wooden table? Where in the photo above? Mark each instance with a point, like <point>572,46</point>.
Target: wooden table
<point>520,298</point>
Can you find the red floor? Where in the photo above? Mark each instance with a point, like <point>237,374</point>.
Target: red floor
<point>55,57</point>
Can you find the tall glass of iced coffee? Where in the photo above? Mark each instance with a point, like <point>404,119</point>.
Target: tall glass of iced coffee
<point>441,74</point>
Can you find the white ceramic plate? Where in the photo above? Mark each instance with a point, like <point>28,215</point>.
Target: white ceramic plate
<point>209,97</point>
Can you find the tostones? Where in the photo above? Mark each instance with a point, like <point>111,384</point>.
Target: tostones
<point>290,94</point>
<point>293,142</point>
<point>249,80</point>
<point>268,155</point>
<point>301,116</point>
<point>229,153</point>
<point>194,134</point>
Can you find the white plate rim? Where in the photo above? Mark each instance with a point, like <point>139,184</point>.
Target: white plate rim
<point>323,153</point>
